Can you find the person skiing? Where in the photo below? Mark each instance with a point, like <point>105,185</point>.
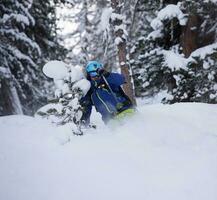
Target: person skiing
<point>105,94</point>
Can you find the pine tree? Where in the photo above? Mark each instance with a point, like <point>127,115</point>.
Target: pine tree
<point>93,38</point>
<point>45,31</point>
<point>172,56</point>
<point>141,13</point>
<point>18,51</point>
<point>28,39</point>
<point>145,54</point>
<point>71,86</point>
<point>198,82</point>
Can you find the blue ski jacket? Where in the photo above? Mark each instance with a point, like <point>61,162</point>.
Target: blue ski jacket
<point>103,99</point>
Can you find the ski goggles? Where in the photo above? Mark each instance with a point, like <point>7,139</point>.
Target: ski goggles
<point>93,73</point>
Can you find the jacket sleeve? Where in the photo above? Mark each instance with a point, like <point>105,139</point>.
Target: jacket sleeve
<point>86,104</point>
<point>116,79</point>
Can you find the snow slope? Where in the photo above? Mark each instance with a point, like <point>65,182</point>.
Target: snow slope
<point>166,152</point>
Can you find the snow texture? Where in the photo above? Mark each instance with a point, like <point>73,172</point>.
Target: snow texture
<point>175,61</point>
<point>167,152</point>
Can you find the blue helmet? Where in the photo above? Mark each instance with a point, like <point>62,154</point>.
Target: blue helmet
<point>93,67</point>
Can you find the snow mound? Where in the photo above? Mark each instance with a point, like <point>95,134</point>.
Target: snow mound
<point>167,152</point>
<point>55,69</point>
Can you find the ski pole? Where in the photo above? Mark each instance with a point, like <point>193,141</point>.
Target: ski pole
<point>109,87</point>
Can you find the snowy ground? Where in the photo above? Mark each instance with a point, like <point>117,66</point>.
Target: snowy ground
<point>166,152</point>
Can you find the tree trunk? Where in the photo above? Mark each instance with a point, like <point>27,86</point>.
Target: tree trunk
<point>9,99</point>
<point>189,38</point>
<point>117,22</point>
<point>85,41</point>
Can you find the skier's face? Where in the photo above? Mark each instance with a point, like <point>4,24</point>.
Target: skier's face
<point>94,78</point>
<point>94,75</point>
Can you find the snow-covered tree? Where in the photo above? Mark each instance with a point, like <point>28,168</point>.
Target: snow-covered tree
<point>198,42</point>
<point>18,49</point>
<point>71,86</point>
<point>169,58</point>
<point>27,40</point>
<point>45,30</point>
<point>144,54</point>
<point>91,38</point>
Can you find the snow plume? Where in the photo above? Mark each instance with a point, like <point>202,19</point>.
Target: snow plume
<point>167,152</point>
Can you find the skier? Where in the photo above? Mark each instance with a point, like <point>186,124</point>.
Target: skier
<point>105,94</point>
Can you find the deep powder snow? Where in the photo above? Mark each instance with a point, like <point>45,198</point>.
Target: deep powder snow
<point>166,152</point>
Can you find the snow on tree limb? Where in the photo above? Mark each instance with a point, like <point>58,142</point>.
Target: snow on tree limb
<point>5,72</point>
<point>18,17</point>
<point>172,11</point>
<point>169,12</point>
<point>204,51</point>
<point>177,61</point>
<point>21,36</point>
